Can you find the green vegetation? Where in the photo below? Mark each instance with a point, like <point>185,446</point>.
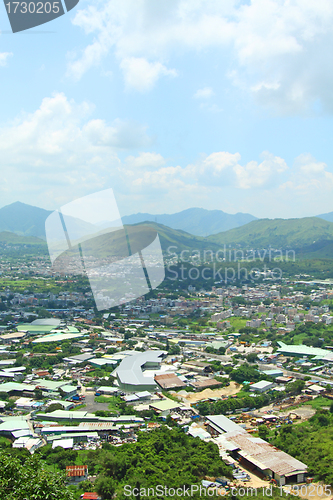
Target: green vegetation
<point>319,402</point>
<point>293,233</point>
<point>311,334</point>
<point>246,373</point>
<point>310,442</point>
<point>115,403</point>
<point>232,404</point>
<point>24,477</point>
<point>164,456</point>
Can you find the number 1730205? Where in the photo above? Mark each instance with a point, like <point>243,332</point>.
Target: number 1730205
<point>307,490</point>
<point>33,7</point>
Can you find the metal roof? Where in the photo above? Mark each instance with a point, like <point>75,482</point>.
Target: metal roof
<point>63,443</point>
<point>54,322</point>
<point>87,433</point>
<point>129,371</point>
<point>166,404</point>
<point>262,384</point>
<point>13,424</point>
<point>169,380</point>
<point>301,350</point>
<point>264,455</point>
<point>80,358</point>
<point>223,423</point>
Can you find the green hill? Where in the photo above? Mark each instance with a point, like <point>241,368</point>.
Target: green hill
<point>176,237</point>
<point>319,250</point>
<point>139,236</point>
<point>278,233</point>
<point>12,239</point>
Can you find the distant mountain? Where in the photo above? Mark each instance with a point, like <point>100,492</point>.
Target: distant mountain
<point>23,219</point>
<point>197,221</point>
<point>328,216</point>
<point>27,220</point>
<point>278,233</point>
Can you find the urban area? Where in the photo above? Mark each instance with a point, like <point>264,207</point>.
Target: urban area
<point>238,375</point>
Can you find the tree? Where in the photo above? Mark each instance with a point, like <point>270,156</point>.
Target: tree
<point>30,480</point>
<point>245,372</point>
<point>54,407</point>
<point>263,431</point>
<point>295,387</point>
<point>252,357</point>
<point>38,394</point>
<point>105,486</point>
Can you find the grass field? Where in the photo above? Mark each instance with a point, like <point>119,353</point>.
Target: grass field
<point>237,323</point>
<point>37,285</point>
<point>298,339</point>
<point>319,402</point>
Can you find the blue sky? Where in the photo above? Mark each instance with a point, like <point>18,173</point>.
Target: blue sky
<point>173,104</point>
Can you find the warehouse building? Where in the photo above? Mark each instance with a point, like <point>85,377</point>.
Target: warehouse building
<point>205,384</point>
<point>169,381</point>
<point>198,366</point>
<point>301,350</point>
<point>130,372</point>
<point>255,454</point>
<point>261,386</point>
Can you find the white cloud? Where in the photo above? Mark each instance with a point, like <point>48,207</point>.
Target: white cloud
<point>310,177</point>
<point>280,49</point>
<point>59,152</point>
<point>145,160</point>
<point>215,171</point>
<point>205,93</point>
<point>4,57</point>
<point>255,174</point>
<point>141,75</point>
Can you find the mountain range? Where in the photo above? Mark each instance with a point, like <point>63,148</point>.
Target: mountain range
<point>311,237</point>
<point>197,221</point>
<point>27,220</point>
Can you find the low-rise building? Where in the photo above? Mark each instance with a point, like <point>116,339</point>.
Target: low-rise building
<point>261,386</point>
<point>76,473</point>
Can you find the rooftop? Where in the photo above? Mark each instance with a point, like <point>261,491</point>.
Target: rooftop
<point>130,370</point>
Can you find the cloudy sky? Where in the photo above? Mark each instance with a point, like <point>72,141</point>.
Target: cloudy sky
<point>219,104</point>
